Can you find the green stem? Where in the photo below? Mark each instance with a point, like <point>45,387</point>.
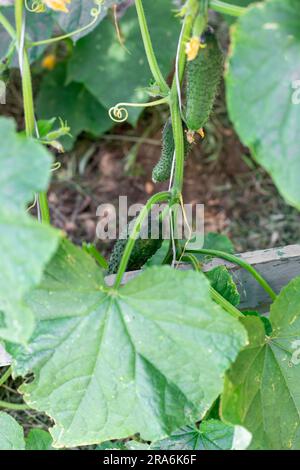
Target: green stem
<point>28,98</point>
<point>14,406</point>
<point>218,298</point>
<point>163,196</point>
<point>156,72</point>
<point>7,26</point>
<point>226,8</point>
<point>92,251</point>
<point>240,262</point>
<point>178,141</point>
<point>185,35</point>
<point>178,132</point>
<point>5,376</point>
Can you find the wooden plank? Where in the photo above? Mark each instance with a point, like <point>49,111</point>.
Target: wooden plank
<point>277,265</point>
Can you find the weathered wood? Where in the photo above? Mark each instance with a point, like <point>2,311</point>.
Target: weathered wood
<point>277,265</point>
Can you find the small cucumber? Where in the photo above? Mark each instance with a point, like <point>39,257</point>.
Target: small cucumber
<point>144,248</point>
<point>162,171</point>
<point>203,75</point>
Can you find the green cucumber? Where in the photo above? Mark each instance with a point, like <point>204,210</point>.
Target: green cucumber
<point>162,171</point>
<point>203,75</point>
<point>144,248</point>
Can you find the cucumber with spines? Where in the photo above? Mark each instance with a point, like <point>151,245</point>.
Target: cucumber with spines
<point>203,75</point>
<point>162,171</point>
<point>144,247</point>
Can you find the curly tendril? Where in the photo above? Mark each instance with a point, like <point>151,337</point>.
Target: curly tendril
<point>36,6</point>
<point>119,113</point>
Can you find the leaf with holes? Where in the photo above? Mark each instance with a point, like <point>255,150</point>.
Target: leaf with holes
<point>147,358</point>
<point>262,389</point>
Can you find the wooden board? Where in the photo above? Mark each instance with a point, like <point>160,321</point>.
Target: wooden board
<point>277,265</point>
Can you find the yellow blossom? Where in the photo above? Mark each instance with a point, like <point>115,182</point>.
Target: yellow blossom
<point>49,62</point>
<point>58,5</point>
<point>192,48</point>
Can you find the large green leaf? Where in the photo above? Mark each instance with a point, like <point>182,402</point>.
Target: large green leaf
<point>25,244</point>
<point>210,435</point>
<point>262,389</point>
<point>38,439</point>
<point>240,3</point>
<point>113,73</point>
<point>145,359</point>
<point>37,27</point>
<point>263,66</point>
<point>73,103</point>
<point>11,433</point>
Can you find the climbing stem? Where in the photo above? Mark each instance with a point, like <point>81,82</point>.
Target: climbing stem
<point>28,94</point>
<point>159,197</point>
<point>178,141</point>
<point>14,406</point>
<point>226,8</point>
<point>240,262</point>
<point>154,67</point>
<point>5,376</point>
<point>7,26</point>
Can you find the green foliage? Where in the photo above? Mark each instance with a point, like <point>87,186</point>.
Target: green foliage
<point>262,389</point>
<point>260,104</point>
<point>223,283</point>
<point>38,27</point>
<point>25,245</point>
<point>210,241</point>
<point>73,103</point>
<point>12,436</point>
<point>38,439</point>
<point>145,359</point>
<point>210,435</point>
<point>148,358</point>
<point>11,433</point>
<point>112,72</point>
<point>203,76</point>
<point>240,3</point>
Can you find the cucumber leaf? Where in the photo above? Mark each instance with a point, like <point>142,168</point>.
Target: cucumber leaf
<point>25,245</point>
<point>147,358</point>
<point>38,27</point>
<point>223,283</point>
<point>210,435</point>
<point>38,439</point>
<point>11,433</point>
<point>114,73</point>
<point>80,15</point>
<point>263,68</point>
<point>262,389</point>
<point>73,103</point>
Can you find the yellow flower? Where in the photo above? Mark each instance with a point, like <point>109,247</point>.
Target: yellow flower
<point>57,5</point>
<point>49,62</point>
<point>192,48</point>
